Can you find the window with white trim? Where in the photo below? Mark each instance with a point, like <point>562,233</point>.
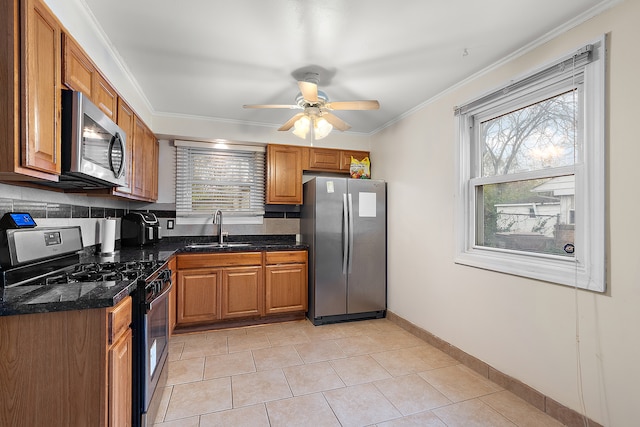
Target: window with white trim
<point>530,170</point>
<point>224,176</point>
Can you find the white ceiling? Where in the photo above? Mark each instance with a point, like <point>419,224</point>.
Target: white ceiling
<point>207,58</point>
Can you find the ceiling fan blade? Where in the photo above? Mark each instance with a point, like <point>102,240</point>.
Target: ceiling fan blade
<point>309,91</point>
<point>335,121</point>
<point>353,105</point>
<point>290,107</point>
<point>290,122</point>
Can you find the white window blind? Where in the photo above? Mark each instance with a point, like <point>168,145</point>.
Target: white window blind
<point>212,176</point>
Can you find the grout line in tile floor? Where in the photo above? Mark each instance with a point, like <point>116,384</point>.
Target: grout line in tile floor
<point>365,373</point>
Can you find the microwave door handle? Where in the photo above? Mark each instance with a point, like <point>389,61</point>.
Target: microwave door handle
<point>112,143</point>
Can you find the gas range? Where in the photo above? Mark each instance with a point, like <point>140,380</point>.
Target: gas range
<point>44,266</point>
<point>101,272</point>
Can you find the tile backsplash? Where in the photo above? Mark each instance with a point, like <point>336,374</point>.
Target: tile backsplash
<point>50,208</point>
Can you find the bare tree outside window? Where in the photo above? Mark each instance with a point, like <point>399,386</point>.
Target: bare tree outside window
<point>534,214</point>
<point>535,137</point>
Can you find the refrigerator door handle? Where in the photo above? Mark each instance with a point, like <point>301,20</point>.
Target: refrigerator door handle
<point>345,233</point>
<point>350,262</point>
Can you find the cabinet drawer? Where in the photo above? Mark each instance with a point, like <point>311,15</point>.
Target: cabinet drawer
<point>119,319</point>
<point>286,257</point>
<point>229,259</point>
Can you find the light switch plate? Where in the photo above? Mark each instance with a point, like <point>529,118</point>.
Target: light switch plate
<point>170,224</point>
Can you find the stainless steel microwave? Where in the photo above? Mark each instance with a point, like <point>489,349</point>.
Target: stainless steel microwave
<point>93,146</point>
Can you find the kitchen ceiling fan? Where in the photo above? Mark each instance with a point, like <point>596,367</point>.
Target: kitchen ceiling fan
<point>317,110</point>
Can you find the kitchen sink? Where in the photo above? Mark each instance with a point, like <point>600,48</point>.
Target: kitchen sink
<point>217,245</point>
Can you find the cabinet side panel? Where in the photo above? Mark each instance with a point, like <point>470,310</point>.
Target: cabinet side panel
<point>9,85</point>
<point>52,369</point>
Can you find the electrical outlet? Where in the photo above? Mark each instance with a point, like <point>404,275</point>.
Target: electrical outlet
<point>170,224</point>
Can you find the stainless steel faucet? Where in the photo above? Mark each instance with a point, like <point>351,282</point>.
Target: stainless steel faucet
<point>217,219</point>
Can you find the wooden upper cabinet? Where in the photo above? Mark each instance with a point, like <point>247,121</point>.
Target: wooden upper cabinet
<point>345,158</point>
<point>330,159</point>
<point>41,76</point>
<point>323,159</point>
<point>144,163</point>
<point>152,178</point>
<point>105,97</point>
<point>78,72</point>
<point>126,121</point>
<point>285,164</point>
<point>138,165</point>
<point>284,174</point>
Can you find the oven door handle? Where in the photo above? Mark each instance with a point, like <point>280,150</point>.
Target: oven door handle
<point>149,305</point>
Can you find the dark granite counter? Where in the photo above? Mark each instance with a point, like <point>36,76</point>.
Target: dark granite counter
<point>81,296</point>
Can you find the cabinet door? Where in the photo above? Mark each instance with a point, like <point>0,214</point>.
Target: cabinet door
<point>126,121</point>
<point>198,299</point>
<point>145,162</point>
<point>105,97</point>
<point>78,72</point>
<point>286,288</point>
<point>41,76</point>
<point>284,174</point>
<point>324,159</point>
<point>120,377</point>
<point>138,165</point>
<point>241,292</point>
<point>345,158</point>
<point>151,186</point>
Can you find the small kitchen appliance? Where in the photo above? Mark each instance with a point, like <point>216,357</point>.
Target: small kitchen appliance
<point>139,229</point>
<point>93,146</point>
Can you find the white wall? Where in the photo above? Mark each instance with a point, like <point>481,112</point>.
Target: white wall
<point>79,24</point>
<point>524,328</point>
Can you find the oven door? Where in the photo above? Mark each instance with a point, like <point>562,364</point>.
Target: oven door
<point>155,333</point>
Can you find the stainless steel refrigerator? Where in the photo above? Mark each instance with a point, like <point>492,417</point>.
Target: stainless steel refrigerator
<point>344,223</point>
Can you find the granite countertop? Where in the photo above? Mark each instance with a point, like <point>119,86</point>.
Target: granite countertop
<point>27,299</point>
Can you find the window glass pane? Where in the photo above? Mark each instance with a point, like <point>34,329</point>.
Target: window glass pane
<point>535,137</point>
<point>533,215</point>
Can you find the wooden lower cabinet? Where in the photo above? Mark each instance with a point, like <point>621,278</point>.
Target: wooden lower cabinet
<point>198,296</point>
<point>218,287</point>
<point>241,291</point>
<point>286,282</point>
<point>67,368</point>
<point>211,294</point>
<point>120,362</point>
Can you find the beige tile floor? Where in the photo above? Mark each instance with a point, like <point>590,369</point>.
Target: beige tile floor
<point>366,373</point>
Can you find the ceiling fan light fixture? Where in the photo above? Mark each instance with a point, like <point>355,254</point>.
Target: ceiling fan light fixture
<point>322,128</point>
<point>301,127</point>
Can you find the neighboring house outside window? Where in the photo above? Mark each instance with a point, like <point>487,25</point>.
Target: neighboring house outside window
<point>530,170</point>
